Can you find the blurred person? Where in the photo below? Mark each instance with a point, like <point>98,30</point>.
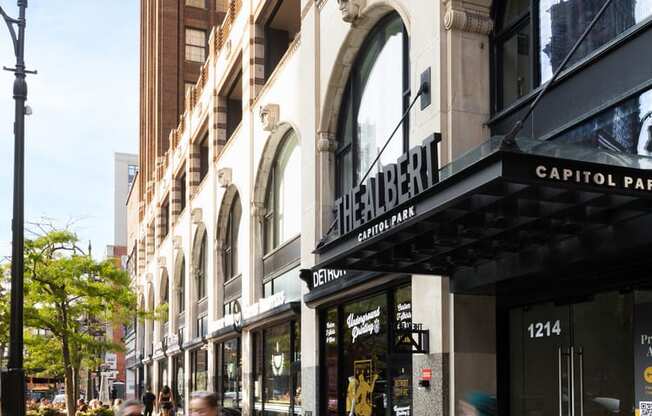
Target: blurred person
<point>149,400</point>
<point>203,403</point>
<point>81,410</point>
<point>478,403</point>
<point>165,396</point>
<point>166,409</point>
<point>116,405</point>
<point>130,408</point>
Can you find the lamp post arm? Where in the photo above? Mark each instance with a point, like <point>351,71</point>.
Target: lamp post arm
<point>12,31</point>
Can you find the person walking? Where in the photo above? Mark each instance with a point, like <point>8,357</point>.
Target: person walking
<point>203,403</point>
<point>130,408</point>
<point>149,400</point>
<point>165,396</point>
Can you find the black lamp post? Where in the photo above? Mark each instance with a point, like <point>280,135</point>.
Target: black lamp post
<point>13,379</point>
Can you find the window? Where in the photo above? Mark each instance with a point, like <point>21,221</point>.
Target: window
<point>286,282</point>
<point>178,383</point>
<point>230,376</point>
<point>360,369</point>
<point>231,241</point>
<point>277,370</point>
<point>375,99</point>
<point>281,28</point>
<point>202,326</point>
<point>203,158</point>
<point>196,3</point>
<point>283,207</point>
<point>181,292</point>
<point>199,364</point>
<point>165,216</point>
<point>132,170</point>
<point>625,127</point>
<point>195,45</point>
<point>234,106</point>
<point>181,185</point>
<point>165,299</point>
<point>201,268</point>
<point>534,36</point>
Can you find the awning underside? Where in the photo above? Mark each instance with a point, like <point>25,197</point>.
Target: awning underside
<point>486,213</point>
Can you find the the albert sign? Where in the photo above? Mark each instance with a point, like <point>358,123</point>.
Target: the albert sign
<point>397,183</point>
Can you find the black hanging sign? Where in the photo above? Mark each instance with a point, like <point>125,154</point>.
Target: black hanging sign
<point>412,339</point>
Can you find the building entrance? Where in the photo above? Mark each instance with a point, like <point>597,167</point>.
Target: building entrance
<point>573,359</point>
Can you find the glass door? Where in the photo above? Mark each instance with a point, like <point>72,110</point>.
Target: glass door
<point>603,348</point>
<point>540,361</point>
<point>574,359</point>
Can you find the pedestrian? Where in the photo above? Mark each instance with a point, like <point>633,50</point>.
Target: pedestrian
<point>166,409</point>
<point>130,408</point>
<point>203,403</point>
<point>165,396</point>
<point>149,400</point>
<point>116,405</point>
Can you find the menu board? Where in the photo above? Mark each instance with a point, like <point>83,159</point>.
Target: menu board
<point>643,358</point>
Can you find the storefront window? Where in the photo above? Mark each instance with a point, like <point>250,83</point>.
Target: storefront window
<point>373,104</point>
<point>231,367</point>
<point>362,374</point>
<point>178,384</point>
<point>560,24</point>
<point>277,371</point>
<point>626,127</point>
<point>162,374</point>
<point>199,360</point>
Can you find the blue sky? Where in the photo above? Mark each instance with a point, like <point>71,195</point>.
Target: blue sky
<point>85,103</point>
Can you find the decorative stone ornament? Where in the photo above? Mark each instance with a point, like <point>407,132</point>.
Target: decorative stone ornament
<point>468,21</point>
<point>258,210</point>
<point>196,216</point>
<point>350,9</point>
<point>326,142</point>
<point>161,261</point>
<point>224,177</point>
<point>269,116</point>
<point>176,242</point>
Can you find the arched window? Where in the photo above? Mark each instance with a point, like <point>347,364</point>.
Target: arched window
<point>181,292</point>
<point>282,202</point>
<point>165,298</point>
<point>230,251</point>
<point>533,37</point>
<point>376,96</point>
<point>200,272</point>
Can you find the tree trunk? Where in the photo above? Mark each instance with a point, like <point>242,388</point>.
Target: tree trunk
<point>75,379</point>
<point>68,372</point>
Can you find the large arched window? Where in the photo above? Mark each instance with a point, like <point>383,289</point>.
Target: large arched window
<point>230,268</point>
<point>181,290</point>
<point>376,96</point>
<point>230,250</point>
<point>200,270</point>
<point>282,200</point>
<point>165,299</point>
<point>533,37</point>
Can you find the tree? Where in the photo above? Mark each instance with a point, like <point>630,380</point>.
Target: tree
<point>70,298</point>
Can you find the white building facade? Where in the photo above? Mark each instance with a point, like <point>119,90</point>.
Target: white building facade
<point>293,104</point>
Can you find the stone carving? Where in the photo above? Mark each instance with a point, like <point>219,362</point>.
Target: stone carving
<point>258,210</point>
<point>176,242</point>
<point>161,261</point>
<point>196,216</point>
<point>326,142</point>
<point>468,21</point>
<point>224,177</point>
<point>350,9</point>
<point>269,116</point>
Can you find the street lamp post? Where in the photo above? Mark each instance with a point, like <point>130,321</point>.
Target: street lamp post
<point>13,379</point>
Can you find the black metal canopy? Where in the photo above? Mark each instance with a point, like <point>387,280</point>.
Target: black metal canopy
<point>495,202</point>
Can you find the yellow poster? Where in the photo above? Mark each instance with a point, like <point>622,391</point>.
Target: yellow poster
<point>359,392</point>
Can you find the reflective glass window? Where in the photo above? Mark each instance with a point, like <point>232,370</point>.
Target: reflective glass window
<point>373,104</point>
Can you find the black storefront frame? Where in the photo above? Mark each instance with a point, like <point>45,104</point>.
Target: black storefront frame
<point>388,290</point>
<point>258,336</point>
<point>219,371</point>
<point>178,361</point>
<point>505,304</point>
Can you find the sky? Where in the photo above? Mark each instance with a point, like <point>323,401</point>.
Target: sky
<point>85,108</point>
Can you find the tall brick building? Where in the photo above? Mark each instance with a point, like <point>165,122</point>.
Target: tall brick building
<point>173,48</point>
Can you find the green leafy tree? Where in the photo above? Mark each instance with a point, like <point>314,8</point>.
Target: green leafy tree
<point>69,299</point>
